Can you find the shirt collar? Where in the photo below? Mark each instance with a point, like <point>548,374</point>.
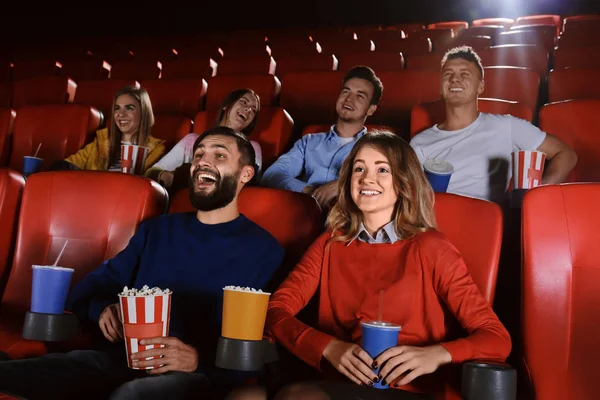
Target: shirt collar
<point>332,133</point>
<point>387,234</point>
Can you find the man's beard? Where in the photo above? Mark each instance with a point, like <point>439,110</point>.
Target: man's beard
<point>221,196</point>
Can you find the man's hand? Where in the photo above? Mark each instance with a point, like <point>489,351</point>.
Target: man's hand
<point>165,178</point>
<point>326,193</point>
<point>175,356</point>
<point>412,361</point>
<point>111,323</point>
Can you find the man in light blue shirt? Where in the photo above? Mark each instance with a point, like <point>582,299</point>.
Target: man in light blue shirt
<point>312,166</point>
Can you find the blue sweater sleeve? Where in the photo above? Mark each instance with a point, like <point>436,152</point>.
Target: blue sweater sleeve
<point>101,287</point>
<point>283,174</point>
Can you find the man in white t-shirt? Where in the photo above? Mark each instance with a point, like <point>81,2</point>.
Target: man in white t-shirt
<point>479,145</point>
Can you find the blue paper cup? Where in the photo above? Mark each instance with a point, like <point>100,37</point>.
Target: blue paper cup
<point>31,165</point>
<point>49,289</point>
<point>377,337</point>
<point>438,172</point>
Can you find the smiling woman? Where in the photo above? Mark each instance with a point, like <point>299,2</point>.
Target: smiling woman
<point>239,111</point>
<point>131,123</point>
<point>382,253</point>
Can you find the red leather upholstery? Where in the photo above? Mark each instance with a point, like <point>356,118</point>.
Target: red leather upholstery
<point>576,122</point>
<point>24,69</point>
<point>7,125</point>
<point>80,70</point>
<point>100,93</point>
<point>171,128</point>
<point>62,130</point>
<point>577,57</point>
<point>266,86</point>
<point>187,69</point>
<point>310,96</point>
<point>344,44</point>
<point>579,38</point>
<point>516,55</point>
<point>493,31</point>
<point>294,219</point>
<point>259,64</point>
<point>97,212</point>
<point>305,63</point>
<point>402,90</point>
<point>425,61</point>
<point>176,96</point>
<point>138,70</point>
<point>574,83</point>
<point>546,19</point>
<point>413,44</point>
<point>478,43</point>
<point>475,227</point>
<point>285,44</point>
<point>527,35</point>
<point>506,22</point>
<point>43,90</point>
<point>11,190</point>
<point>273,130</point>
<point>581,22</point>
<point>524,85</point>
<point>560,291</point>
<point>454,25</point>
<point>378,61</point>
<point>6,94</point>
<point>426,115</point>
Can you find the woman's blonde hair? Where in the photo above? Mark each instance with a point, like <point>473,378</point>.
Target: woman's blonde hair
<point>146,121</point>
<point>413,212</point>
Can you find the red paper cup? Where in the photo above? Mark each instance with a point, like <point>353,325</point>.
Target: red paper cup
<point>133,159</point>
<point>144,317</point>
<point>528,168</point>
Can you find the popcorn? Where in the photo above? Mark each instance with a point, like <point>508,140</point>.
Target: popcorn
<point>144,291</point>
<point>242,289</point>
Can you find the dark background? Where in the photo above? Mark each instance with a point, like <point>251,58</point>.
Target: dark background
<point>30,21</point>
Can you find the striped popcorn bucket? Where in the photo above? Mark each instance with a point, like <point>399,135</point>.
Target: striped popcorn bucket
<point>144,317</point>
<point>133,159</point>
<point>527,169</point>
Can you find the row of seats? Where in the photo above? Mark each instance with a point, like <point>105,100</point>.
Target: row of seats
<point>411,55</point>
<point>559,277</point>
<point>64,129</point>
<point>285,42</point>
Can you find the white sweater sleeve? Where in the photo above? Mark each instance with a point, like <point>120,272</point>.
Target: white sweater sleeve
<point>179,154</point>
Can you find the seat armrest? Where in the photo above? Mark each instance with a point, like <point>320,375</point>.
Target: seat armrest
<point>488,380</point>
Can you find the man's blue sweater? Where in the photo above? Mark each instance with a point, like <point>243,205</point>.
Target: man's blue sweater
<point>195,261</point>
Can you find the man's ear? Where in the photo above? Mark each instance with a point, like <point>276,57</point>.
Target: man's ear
<point>247,174</point>
<point>481,87</point>
<point>371,110</point>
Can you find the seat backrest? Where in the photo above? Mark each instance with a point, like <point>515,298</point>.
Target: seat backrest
<point>181,97</point>
<point>431,61</point>
<point>294,219</point>
<point>100,93</point>
<point>7,125</point>
<point>576,123</point>
<point>506,22</point>
<point>310,96</point>
<point>61,129</point>
<point>454,25</point>
<point>545,19</point>
<point>516,55</point>
<point>97,212</point>
<point>6,94</point>
<point>11,190</point>
<point>474,227</point>
<point>581,22</point>
<point>402,90</point>
<point>493,31</point>
<point>86,69</point>
<point>574,83</point>
<point>530,36</point>
<point>265,85</point>
<point>273,130</point>
<point>43,90</point>
<point>560,290</point>
<point>478,43</point>
<point>24,69</point>
<point>171,128</point>
<point>524,87</point>
<point>577,57</point>
<point>188,69</point>
<point>425,115</point>
<point>306,62</point>
<point>413,44</point>
<point>376,60</point>
<point>138,70</point>
<point>258,64</point>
